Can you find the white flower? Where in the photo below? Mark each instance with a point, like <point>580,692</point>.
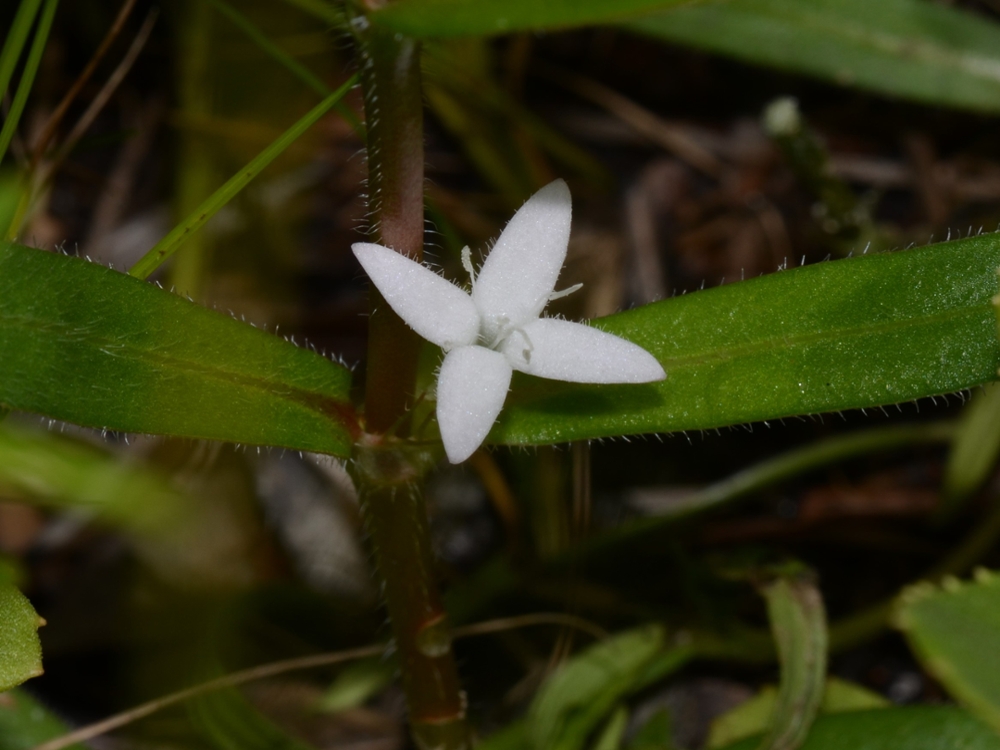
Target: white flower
<point>498,328</point>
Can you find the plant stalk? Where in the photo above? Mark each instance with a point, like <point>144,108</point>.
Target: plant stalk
<point>394,116</point>
<point>388,471</point>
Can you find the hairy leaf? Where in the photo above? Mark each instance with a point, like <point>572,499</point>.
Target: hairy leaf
<point>914,49</point>
<point>85,344</point>
<point>872,330</point>
<point>447,18</point>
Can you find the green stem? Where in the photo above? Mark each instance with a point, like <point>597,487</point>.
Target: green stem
<point>388,471</point>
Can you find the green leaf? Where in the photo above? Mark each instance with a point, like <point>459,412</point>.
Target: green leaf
<point>907,728</point>
<point>449,18</point>
<point>578,697</point>
<point>25,723</point>
<point>54,470</point>
<point>976,446</point>
<point>85,344</point>
<point>751,718</point>
<point>20,649</point>
<point>798,622</point>
<point>913,49</point>
<point>358,682</point>
<point>955,631</point>
<point>878,329</point>
<point>611,735</point>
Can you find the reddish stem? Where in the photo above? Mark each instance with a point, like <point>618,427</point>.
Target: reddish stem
<point>388,471</point>
<point>394,115</point>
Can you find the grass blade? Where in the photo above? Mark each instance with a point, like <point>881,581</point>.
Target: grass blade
<point>211,205</point>
<point>17,37</point>
<point>28,74</point>
<point>297,69</point>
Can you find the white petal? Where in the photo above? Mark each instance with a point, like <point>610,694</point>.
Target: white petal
<point>430,305</point>
<point>520,272</point>
<point>471,390</point>
<point>560,350</point>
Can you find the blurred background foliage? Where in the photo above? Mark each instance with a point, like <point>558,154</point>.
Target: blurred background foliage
<point>704,144</point>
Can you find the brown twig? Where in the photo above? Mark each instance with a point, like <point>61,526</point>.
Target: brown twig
<point>236,678</point>
<point>108,90</point>
<point>117,721</point>
<point>81,80</point>
<point>673,138</point>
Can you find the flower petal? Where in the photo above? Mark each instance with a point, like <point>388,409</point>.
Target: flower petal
<point>429,304</point>
<point>471,390</point>
<point>520,272</point>
<point>561,350</point>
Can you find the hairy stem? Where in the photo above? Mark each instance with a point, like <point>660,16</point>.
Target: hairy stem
<point>396,520</point>
<point>388,472</point>
<point>394,116</point>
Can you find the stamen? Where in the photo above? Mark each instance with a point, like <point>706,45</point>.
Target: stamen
<point>467,264</point>
<point>503,330</point>
<point>565,292</point>
<point>526,352</point>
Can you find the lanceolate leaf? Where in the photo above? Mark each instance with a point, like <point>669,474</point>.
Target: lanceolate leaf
<point>444,18</point>
<point>878,329</point>
<point>85,344</point>
<point>913,49</point>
